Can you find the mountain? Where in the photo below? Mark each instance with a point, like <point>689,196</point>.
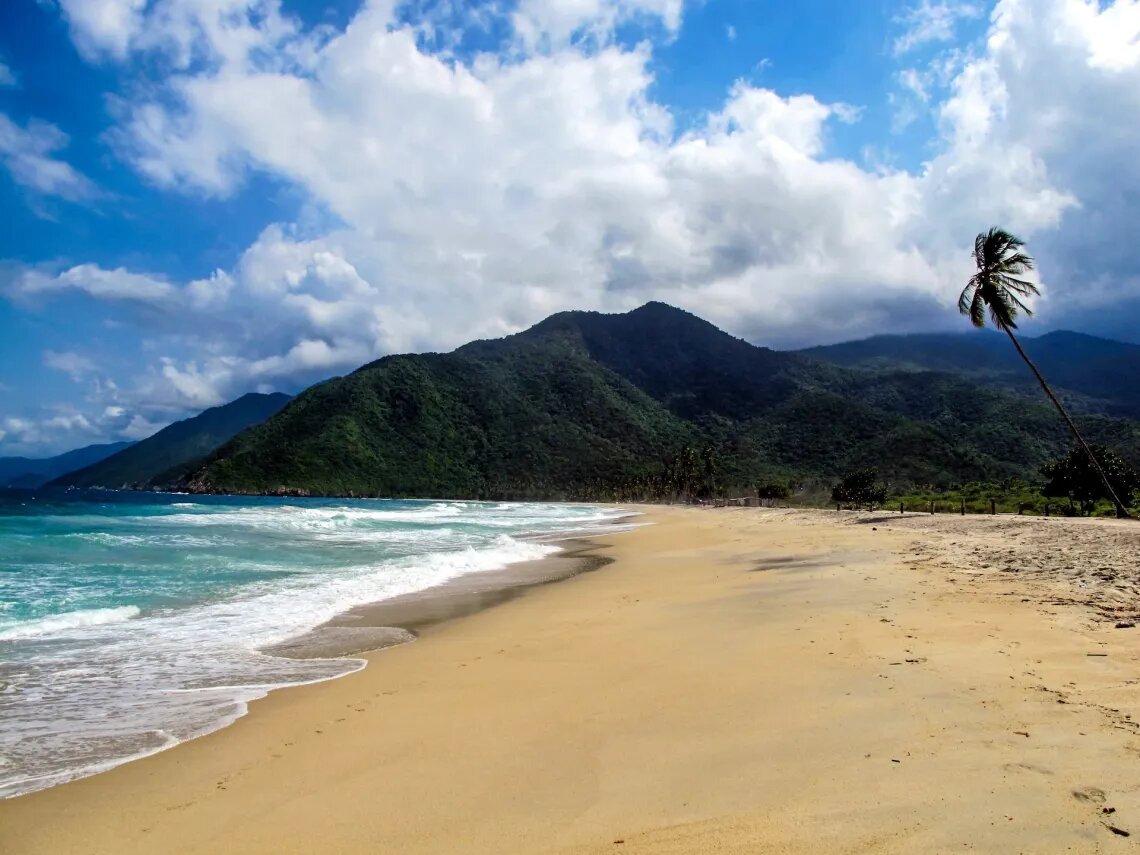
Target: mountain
<point>30,472</point>
<point>1093,375</point>
<point>170,452</point>
<point>583,400</point>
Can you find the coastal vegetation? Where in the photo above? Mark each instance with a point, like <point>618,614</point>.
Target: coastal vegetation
<point>1074,478</point>
<point>860,488</point>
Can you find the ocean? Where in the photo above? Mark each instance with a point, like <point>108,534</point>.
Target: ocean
<point>130,622</point>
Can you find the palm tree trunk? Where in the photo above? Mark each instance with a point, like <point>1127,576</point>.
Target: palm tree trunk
<point>1121,511</point>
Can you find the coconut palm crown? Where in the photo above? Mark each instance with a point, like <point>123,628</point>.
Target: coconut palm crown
<point>998,285</point>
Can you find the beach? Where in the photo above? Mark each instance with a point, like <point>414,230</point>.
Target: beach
<point>732,680</point>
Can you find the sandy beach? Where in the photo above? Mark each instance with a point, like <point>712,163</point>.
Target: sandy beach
<point>735,680</point>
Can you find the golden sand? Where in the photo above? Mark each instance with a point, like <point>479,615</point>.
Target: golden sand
<point>738,680</point>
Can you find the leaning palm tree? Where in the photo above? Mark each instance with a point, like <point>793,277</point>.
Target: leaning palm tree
<point>998,287</point>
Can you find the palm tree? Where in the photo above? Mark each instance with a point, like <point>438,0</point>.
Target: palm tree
<point>998,287</point>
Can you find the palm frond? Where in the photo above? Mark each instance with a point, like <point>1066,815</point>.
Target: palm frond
<point>980,250</point>
<point>1019,262</point>
<point>1019,286</point>
<point>978,309</point>
<point>1019,306</point>
<point>1003,315</point>
<point>967,295</point>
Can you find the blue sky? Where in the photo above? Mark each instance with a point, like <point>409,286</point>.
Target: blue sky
<point>209,197</point>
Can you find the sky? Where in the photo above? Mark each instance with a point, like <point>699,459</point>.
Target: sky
<point>204,198</point>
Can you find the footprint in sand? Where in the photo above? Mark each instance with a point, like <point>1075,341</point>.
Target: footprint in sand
<point>1027,767</point>
<point>1090,794</point>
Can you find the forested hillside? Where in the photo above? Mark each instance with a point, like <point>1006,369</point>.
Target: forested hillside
<point>584,401</point>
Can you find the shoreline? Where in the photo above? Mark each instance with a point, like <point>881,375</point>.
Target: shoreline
<point>371,627</point>
<point>738,679</point>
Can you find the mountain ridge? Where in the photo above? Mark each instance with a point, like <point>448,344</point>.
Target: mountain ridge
<point>31,472</point>
<point>582,399</point>
<point>165,455</point>
<point>1091,373</point>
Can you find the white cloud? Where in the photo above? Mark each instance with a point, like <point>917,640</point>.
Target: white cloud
<point>550,24</point>
<point>65,429</point>
<point>117,284</point>
<point>73,364</point>
<point>27,153</point>
<point>103,26</point>
<point>7,76</point>
<point>730,33</point>
<point>68,423</point>
<point>915,82</point>
<point>1026,120</point>
<point>473,197</point>
<point>933,21</point>
<point>140,427</point>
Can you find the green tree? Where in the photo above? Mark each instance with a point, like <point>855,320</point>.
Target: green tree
<point>860,488</point>
<point>999,287</point>
<point>709,465</point>
<point>1074,478</point>
<point>772,490</point>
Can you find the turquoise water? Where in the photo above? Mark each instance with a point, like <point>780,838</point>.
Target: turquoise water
<point>131,622</point>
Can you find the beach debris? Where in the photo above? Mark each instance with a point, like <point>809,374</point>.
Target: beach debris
<point>1120,832</point>
<point>893,760</point>
<point>1021,733</point>
<point>1096,654</point>
<point>1125,624</point>
<point>1108,810</point>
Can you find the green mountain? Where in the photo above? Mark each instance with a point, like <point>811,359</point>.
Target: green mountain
<point>166,456</point>
<point>584,401</point>
<point>1093,375</point>
<point>31,472</point>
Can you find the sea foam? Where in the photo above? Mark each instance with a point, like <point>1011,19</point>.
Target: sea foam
<point>68,623</point>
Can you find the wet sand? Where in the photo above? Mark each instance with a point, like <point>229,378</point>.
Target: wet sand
<point>737,680</point>
<point>374,626</point>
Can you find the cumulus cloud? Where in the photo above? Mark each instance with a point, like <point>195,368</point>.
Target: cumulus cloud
<point>472,195</point>
<point>7,76</point>
<point>28,153</point>
<point>478,197</point>
<point>1028,117</point>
